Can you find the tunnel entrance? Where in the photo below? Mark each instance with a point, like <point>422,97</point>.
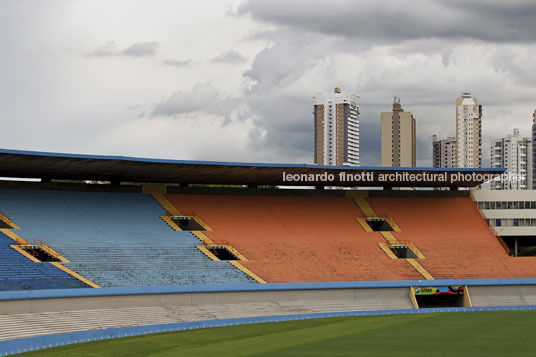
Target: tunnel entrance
<point>402,251</point>
<point>187,223</point>
<point>222,252</point>
<point>442,296</point>
<point>39,253</point>
<point>378,224</point>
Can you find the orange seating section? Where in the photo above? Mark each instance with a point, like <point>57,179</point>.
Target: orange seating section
<point>454,237</point>
<point>296,239</point>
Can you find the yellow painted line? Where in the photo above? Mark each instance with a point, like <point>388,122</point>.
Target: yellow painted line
<point>202,223</point>
<point>14,236</point>
<point>390,237</point>
<point>25,253</point>
<point>365,206</point>
<point>356,193</point>
<point>364,224</point>
<point>420,269</point>
<point>416,250</point>
<point>170,222</point>
<point>387,251</point>
<point>393,224</point>
<point>76,275</point>
<point>413,298</point>
<point>207,252</point>
<point>164,202</point>
<point>8,221</point>
<point>466,297</point>
<point>153,189</point>
<point>247,271</point>
<point>55,254</point>
<point>206,240</point>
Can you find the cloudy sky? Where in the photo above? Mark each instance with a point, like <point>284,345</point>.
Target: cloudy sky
<point>234,80</point>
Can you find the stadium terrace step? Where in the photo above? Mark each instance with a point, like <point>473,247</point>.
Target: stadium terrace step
<point>38,324</point>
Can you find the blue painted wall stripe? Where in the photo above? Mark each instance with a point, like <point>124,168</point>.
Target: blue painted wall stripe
<point>150,290</point>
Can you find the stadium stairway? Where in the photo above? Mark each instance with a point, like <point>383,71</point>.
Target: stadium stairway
<point>115,239</point>
<point>360,198</point>
<point>296,239</point>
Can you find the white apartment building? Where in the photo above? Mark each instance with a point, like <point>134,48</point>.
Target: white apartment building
<point>514,153</point>
<point>468,132</point>
<point>336,129</point>
<point>444,152</point>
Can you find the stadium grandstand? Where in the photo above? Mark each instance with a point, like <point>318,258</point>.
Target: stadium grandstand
<point>109,244</point>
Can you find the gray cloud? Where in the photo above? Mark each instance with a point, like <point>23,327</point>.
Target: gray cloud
<point>138,49</point>
<point>200,98</point>
<point>427,73</point>
<point>178,63</point>
<point>230,57</point>
<point>394,20</point>
<point>141,49</point>
<point>106,50</point>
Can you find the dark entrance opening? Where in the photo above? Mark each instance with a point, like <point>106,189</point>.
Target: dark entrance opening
<point>526,245</point>
<point>39,253</point>
<point>451,296</point>
<point>378,224</point>
<point>221,252</point>
<point>402,251</point>
<point>187,223</point>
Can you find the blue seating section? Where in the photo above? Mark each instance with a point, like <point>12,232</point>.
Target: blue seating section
<point>115,239</point>
<point>19,273</point>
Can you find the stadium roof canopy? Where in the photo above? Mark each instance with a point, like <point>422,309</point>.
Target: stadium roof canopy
<point>46,166</point>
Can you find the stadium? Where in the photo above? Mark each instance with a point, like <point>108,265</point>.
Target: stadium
<point>102,248</point>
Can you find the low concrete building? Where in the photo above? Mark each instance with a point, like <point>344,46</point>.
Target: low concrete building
<point>512,213</point>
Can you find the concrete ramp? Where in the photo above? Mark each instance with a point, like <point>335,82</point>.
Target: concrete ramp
<point>505,295</point>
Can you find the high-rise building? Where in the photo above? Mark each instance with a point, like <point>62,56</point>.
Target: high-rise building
<point>534,150</point>
<point>336,129</point>
<point>398,137</point>
<point>468,131</point>
<point>514,153</point>
<point>444,152</point>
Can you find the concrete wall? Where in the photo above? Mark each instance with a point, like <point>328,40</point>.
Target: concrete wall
<point>505,295</point>
<point>372,294</point>
<point>368,296</point>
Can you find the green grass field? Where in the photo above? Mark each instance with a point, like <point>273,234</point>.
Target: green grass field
<point>463,333</point>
